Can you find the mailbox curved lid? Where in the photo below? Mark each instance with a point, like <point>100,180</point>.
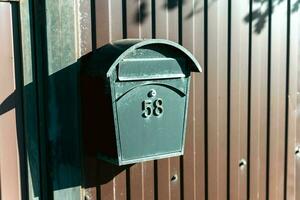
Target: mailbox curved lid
<point>110,55</point>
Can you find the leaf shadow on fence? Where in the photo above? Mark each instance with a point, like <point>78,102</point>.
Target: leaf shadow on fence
<point>258,16</point>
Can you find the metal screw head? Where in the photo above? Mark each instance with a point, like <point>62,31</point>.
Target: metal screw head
<point>297,151</point>
<point>152,93</point>
<point>174,178</point>
<point>242,164</point>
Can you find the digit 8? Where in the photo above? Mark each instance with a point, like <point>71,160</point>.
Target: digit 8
<point>158,107</point>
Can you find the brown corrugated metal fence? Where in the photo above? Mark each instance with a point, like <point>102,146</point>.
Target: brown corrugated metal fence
<point>242,130</point>
<point>243,137</point>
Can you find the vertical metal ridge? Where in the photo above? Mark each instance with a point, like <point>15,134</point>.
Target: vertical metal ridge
<point>249,100</point>
<point>238,101</point>
<point>181,159</point>
<point>180,19</point>
<point>181,178</point>
<point>206,96</point>
<point>93,24</point>
<point>139,20</point>
<point>124,29</point>
<point>102,21</point>
<point>109,21</point>
<point>268,99</point>
<point>136,182</point>
<point>187,31</point>
<point>229,98</point>
<point>217,96</point>
<point>149,180</point>
<point>193,165</point>
<point>277,99</point>
<point>287,90</point>
<point>198,45</point>
<point>155,180</point>
<point>259,77</point>
<point>292,174</point>
<point>194,139</point>
<point>162,166</point>
<point>143,184</point>
<point>124,18</point>
<point>98,194</point>
<point>114,188</point>
<point>169,175</point>
<point>153,19</point>
<point>120,185</point>
<point>128,189</point>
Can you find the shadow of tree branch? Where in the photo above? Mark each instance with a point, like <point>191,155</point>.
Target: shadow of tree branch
<point>142,13</point>
<point>258,16</point>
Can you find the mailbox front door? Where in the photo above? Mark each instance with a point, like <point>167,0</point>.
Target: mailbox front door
<point>151,120</point>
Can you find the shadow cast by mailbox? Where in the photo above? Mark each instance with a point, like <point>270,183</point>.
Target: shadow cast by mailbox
<point>70,156</point>
<point>96,128</point>
<point>72,152</point>
<point>52,131</point>
<point>63,159</point>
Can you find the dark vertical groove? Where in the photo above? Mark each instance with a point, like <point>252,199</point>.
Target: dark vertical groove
<point>205,95</point>
<point>249,100</point>
<point>180,21</point>
<point>180,30</point>
<point>128,183</point>
<point>228,96</point>
<point>287,98</point>
<point>155,180</point>
<point>19,99</point>
<point>93,24</point>
<point>153,18</point>
<point>181,178</point>
<point>98,193</point>
<point>124,18</point>
<point>270,9</point>
<point>39,60</point>
<point>124,27</point>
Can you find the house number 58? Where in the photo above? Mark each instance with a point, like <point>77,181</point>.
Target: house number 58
<point>152,108</point>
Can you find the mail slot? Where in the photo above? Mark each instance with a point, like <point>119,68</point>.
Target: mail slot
<point>135,98</point>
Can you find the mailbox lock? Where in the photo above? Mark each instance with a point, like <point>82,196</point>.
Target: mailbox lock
<point>152,93</point>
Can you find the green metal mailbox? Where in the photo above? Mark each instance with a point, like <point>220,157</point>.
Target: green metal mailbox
<point>135,98</point>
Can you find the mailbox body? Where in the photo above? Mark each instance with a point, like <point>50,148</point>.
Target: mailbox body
<point>135,99</point>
